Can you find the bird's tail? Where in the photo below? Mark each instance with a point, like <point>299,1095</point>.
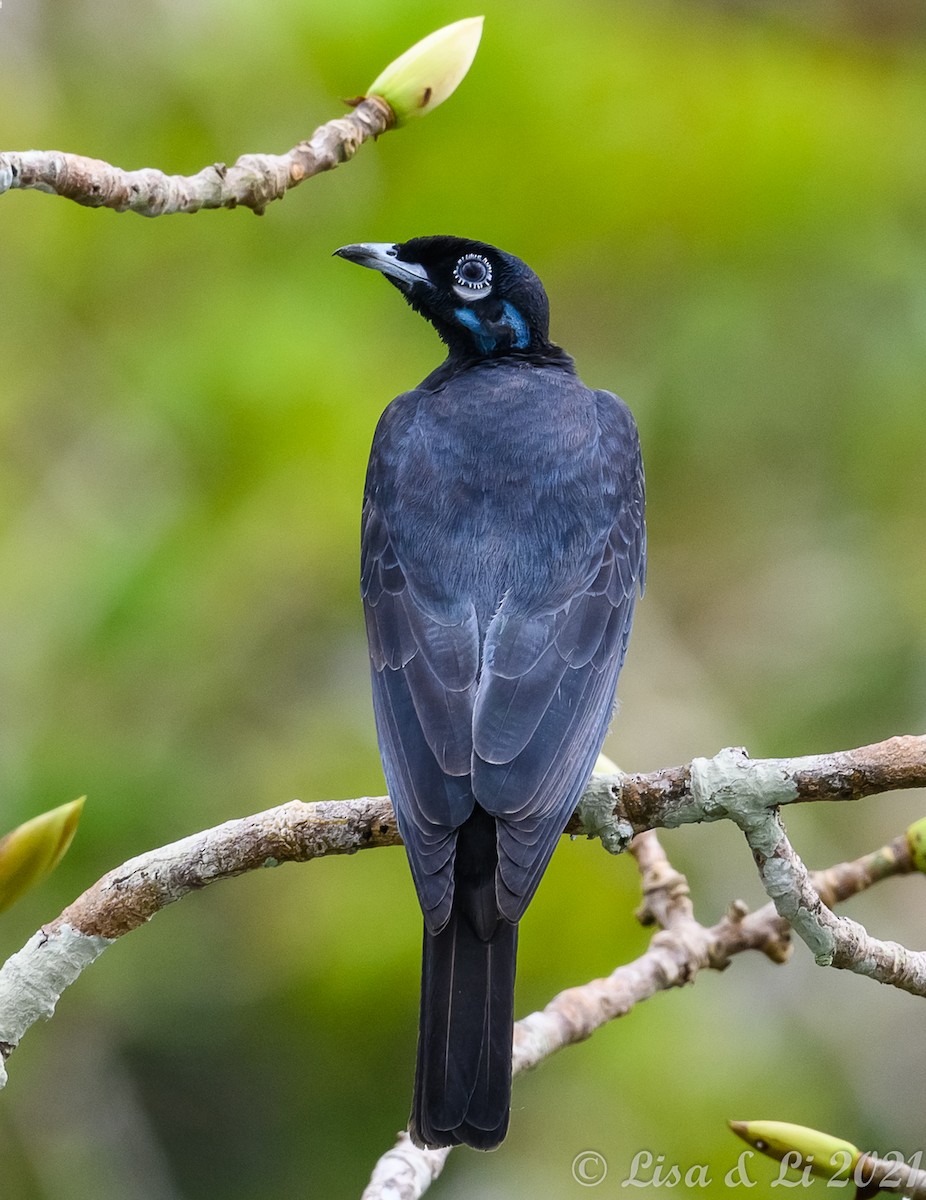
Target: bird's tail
<point>463,1073</point>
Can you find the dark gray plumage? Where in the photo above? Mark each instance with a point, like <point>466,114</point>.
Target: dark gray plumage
<point>503,544</point>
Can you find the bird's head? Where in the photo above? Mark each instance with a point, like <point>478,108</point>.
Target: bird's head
<point>483,302</point>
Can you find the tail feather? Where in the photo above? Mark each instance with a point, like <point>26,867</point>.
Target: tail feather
<point>463,1073</point>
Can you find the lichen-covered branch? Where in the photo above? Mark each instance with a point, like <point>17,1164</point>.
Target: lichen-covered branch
<point>730,785</point>
<point>706,789</point>
<point>677,953</point>
<point>251,182</point>
<point>749,792</point>
<point>835,941</point>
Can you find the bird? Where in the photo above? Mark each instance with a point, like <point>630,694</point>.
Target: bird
<point>503,547</point>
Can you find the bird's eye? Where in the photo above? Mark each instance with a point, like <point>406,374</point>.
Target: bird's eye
<point>474,272</point>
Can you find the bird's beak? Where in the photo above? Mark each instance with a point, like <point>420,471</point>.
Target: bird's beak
<point>383,256</point>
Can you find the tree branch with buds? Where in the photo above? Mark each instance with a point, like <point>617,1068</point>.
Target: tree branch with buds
<point>614,808</point>
<point>415,83</point>
<point>799,1148</point>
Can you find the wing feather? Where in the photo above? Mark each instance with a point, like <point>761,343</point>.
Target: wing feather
<point>509,709</point>
<point>429,804</point>
<point>424,668</point>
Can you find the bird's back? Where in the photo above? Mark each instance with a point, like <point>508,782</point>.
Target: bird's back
<point>492,484</point>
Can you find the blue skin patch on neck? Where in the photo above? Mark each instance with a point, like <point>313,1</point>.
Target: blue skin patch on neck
<point>485,341</point>
<point>522,335</point>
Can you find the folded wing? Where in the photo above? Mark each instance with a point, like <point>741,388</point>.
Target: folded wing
<point>543,706</point>
<point>425,665</point>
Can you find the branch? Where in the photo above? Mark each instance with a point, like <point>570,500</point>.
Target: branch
<point>613,808</point>
<point>415,83</point>
<point>749,792</point>
<point>31,982</point>
<point>675,956</point>
<point>835,941</point>
<point>708,789</point>
<point>251,182</point>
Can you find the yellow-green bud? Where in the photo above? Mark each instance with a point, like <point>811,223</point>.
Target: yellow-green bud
<point>33,850</point>
<point>916,839</point>
<point>825,1155</point>
<point>430,71</point>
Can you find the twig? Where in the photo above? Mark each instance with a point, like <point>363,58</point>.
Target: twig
<point>414,84</point>
<point>895,1177</point>
<point>835,941</point>
<point>251,182</point>
<point>405,1172</point>
<point>827,1156</point>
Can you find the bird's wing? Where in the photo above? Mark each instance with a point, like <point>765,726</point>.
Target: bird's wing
<point>546,692</point>
<point>425,663</point>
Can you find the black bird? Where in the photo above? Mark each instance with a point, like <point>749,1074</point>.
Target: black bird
<point>503,544</point>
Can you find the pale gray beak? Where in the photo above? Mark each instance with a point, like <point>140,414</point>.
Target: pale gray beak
<point>383,256</point>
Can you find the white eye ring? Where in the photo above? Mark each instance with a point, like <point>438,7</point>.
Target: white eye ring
<point>473,272</point>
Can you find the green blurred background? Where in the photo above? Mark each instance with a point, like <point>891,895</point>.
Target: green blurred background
<point>726,203</point>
